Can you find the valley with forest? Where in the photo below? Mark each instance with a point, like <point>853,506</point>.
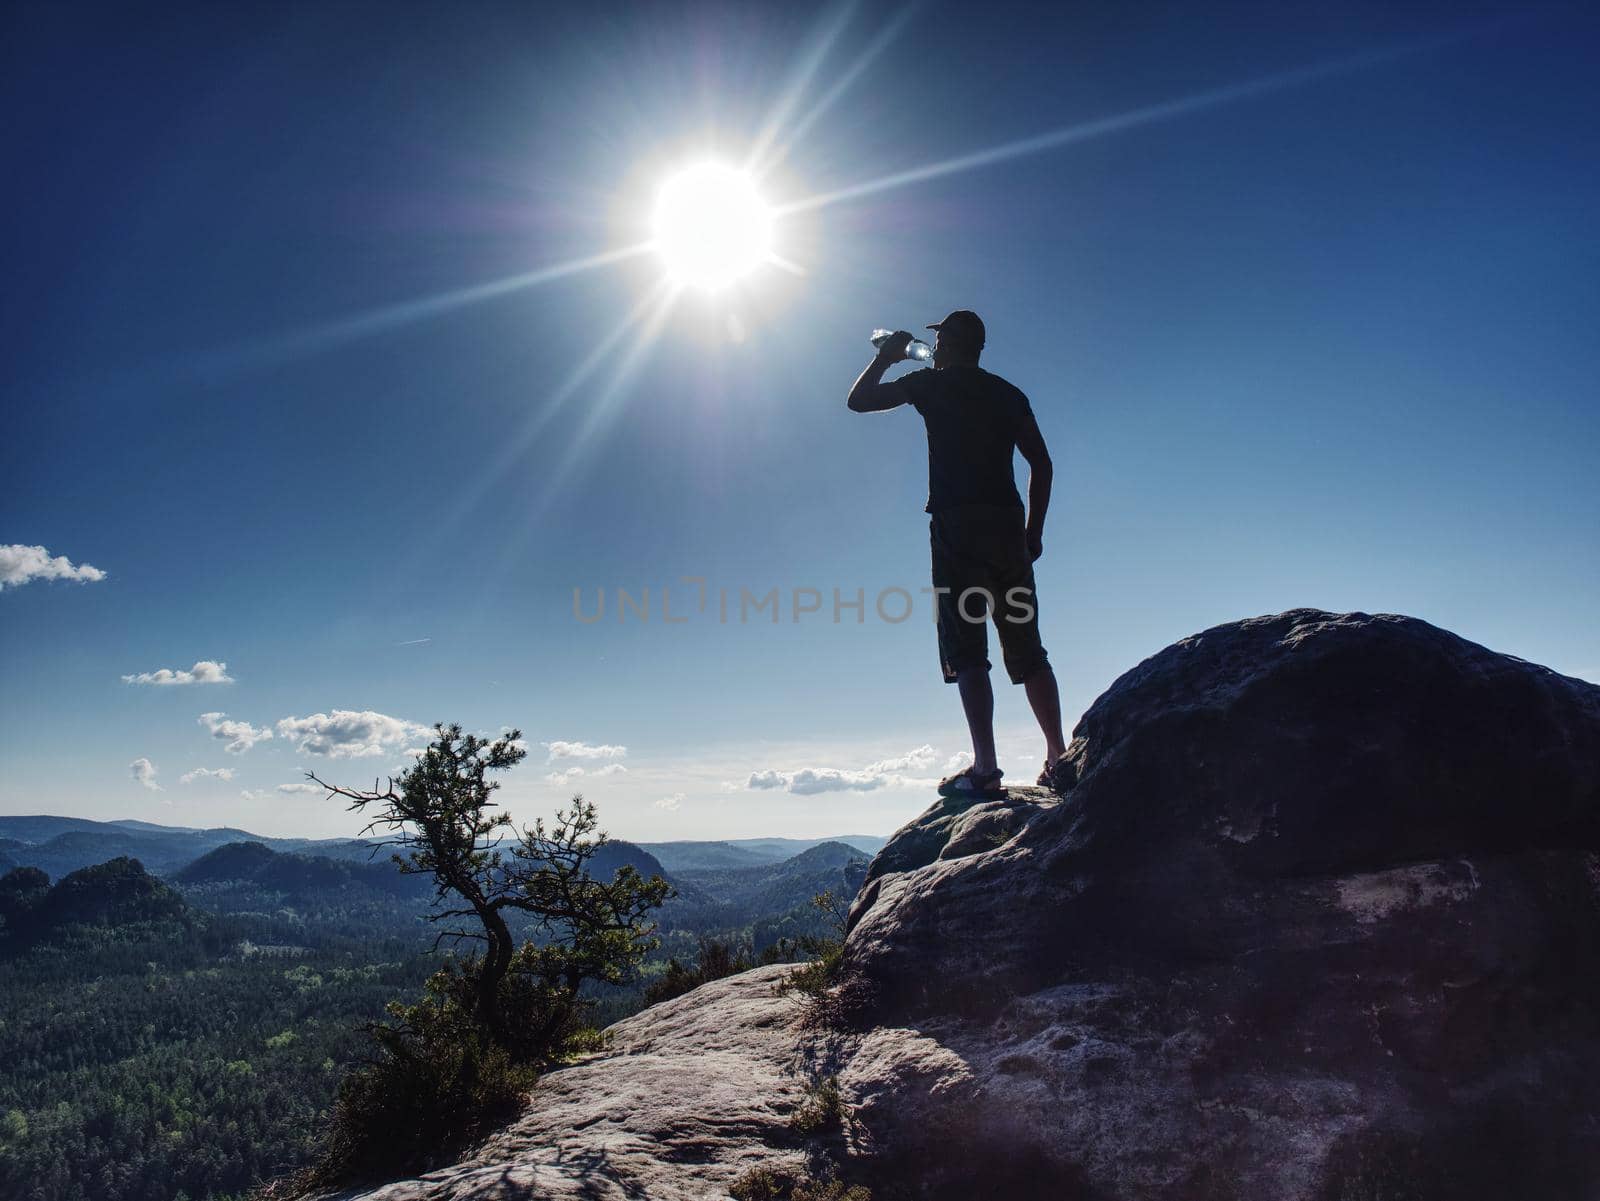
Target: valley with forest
<point>179,1006</point>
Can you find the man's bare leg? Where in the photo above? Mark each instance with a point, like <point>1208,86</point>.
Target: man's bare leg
<point>1045,697</point>
<point>977,698</point>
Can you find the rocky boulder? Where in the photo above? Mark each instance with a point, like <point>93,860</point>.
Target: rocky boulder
<point>691,1094</point>
<point>1320,919</point>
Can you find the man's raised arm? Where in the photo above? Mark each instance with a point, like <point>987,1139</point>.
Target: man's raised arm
<point>869,394</point>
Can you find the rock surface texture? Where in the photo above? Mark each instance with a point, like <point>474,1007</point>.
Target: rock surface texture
<point>1319,921</point>
<point>692,1093</point>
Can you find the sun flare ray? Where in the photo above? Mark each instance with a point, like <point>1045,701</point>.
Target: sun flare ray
<point>603,406</point>
<point>762,161</point>
<point>513,451</point>
<point>830,27</point>
<point>602,409</point>
<point>287,347</point>
<point>1146,115</point>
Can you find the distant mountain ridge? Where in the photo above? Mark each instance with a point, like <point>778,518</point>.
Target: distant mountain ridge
<point>59,845</point>
<point>727,885</point>
<point>296,873</point>
<point>705,855</point>
<point>775,898</point>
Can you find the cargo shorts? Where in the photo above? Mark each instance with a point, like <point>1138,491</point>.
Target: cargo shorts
<point>981,568</point>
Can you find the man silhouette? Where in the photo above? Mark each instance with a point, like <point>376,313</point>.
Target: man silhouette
<point>984,545</point>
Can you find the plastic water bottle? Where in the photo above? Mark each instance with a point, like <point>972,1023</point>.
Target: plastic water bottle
<point>918,350</point>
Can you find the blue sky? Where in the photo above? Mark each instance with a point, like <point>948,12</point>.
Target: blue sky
<point>1325,342</point>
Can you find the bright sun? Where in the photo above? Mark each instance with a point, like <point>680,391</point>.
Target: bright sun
<point>711,227</point>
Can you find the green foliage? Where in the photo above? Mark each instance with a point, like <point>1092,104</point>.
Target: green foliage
<point>769,1184</point>
<point>122,1074</point>
<point>588,929</point>
<point>123,1083</point>
<point>816,976</point>
<point>821,984</point>
<point>152,1052</point>
<point>13,1126</point>
<point>763,905</point>
<point>760,1184</point>
<point>22,889</point>
<point>438,1084</point>
<point>715,959</point>
<point>822,1112</point>
<point>455,1062</point>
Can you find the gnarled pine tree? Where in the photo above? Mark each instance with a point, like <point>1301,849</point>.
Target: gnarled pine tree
<point>438,813</point>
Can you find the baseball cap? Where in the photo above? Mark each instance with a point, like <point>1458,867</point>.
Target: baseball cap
<point>964,326</point>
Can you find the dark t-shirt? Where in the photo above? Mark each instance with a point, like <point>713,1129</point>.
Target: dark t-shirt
<point>974,421</point>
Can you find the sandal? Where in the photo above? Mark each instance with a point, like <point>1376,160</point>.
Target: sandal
<point>971,783</point>
<point>1060,776</point>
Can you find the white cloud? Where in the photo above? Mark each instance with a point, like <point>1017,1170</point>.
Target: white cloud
<point>810,780</point>
<point>145,773</point>
<point>347,734</point>
<point>305,786</point>
<point>254,794</point>
<point>206,773</point>
<point>583,750</point>
<point>915,760</point>
<point>882,773</point>
<point>567,775</point>
<point>207,671</point>
<point>20,564</point>
<point>959,761</point>
<point>239,736</point>
<point>670,803</point>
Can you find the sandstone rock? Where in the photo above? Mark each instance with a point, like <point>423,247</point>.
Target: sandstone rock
<point>690,1094</point>
<point>1321,919</point>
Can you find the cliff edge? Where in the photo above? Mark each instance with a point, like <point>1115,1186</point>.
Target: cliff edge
<point>1319,920</point>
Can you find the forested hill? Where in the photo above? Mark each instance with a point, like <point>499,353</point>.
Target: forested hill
<point>116,893</point>
<point>352,883</point>
<point>296,874</point>
<point>152,1051</point>
<point>59,845</point>
<point>771,901</point>
<point>617,853</point>
<point>210,1013</point>
<point>688,856</point>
